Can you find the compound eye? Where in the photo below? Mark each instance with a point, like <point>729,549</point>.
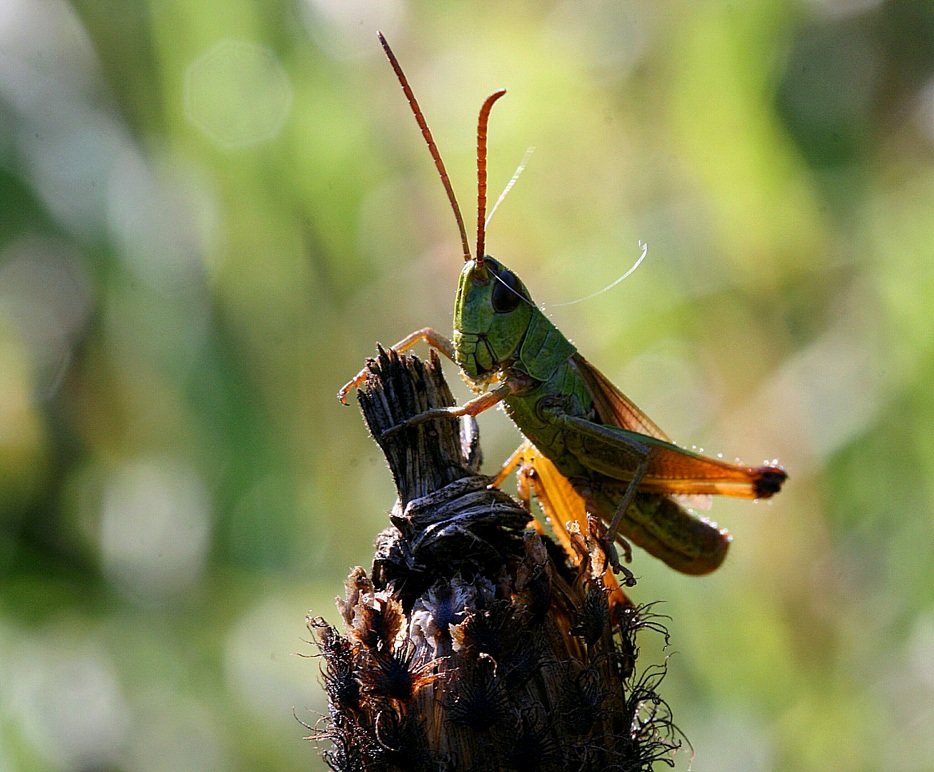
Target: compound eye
<point>507,292</point>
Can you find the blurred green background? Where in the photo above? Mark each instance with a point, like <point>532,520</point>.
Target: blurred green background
<point>209,211</point>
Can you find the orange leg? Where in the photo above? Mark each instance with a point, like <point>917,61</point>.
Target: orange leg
<point>563,507</point>
<point>433,338</point>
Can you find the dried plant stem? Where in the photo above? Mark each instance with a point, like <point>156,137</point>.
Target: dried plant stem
<point>472,644</point>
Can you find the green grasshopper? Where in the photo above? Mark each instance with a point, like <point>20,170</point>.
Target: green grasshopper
<point>614,456</point>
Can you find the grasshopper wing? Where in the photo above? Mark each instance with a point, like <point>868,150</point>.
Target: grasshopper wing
<point>614,407</point>
<point>672,470</point>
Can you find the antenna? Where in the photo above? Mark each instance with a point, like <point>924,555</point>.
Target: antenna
<point>432,147</point>
<point>482,125</point>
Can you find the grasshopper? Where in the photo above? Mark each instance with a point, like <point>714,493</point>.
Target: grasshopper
<point>626,469</point>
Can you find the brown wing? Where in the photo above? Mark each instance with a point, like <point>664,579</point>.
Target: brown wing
<point>614,407</point>
<point>672,470</point>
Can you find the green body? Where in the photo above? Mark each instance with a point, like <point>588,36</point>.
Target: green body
<point>500,333</point>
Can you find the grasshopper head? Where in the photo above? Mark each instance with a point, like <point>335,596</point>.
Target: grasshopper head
<point>492,311</point>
